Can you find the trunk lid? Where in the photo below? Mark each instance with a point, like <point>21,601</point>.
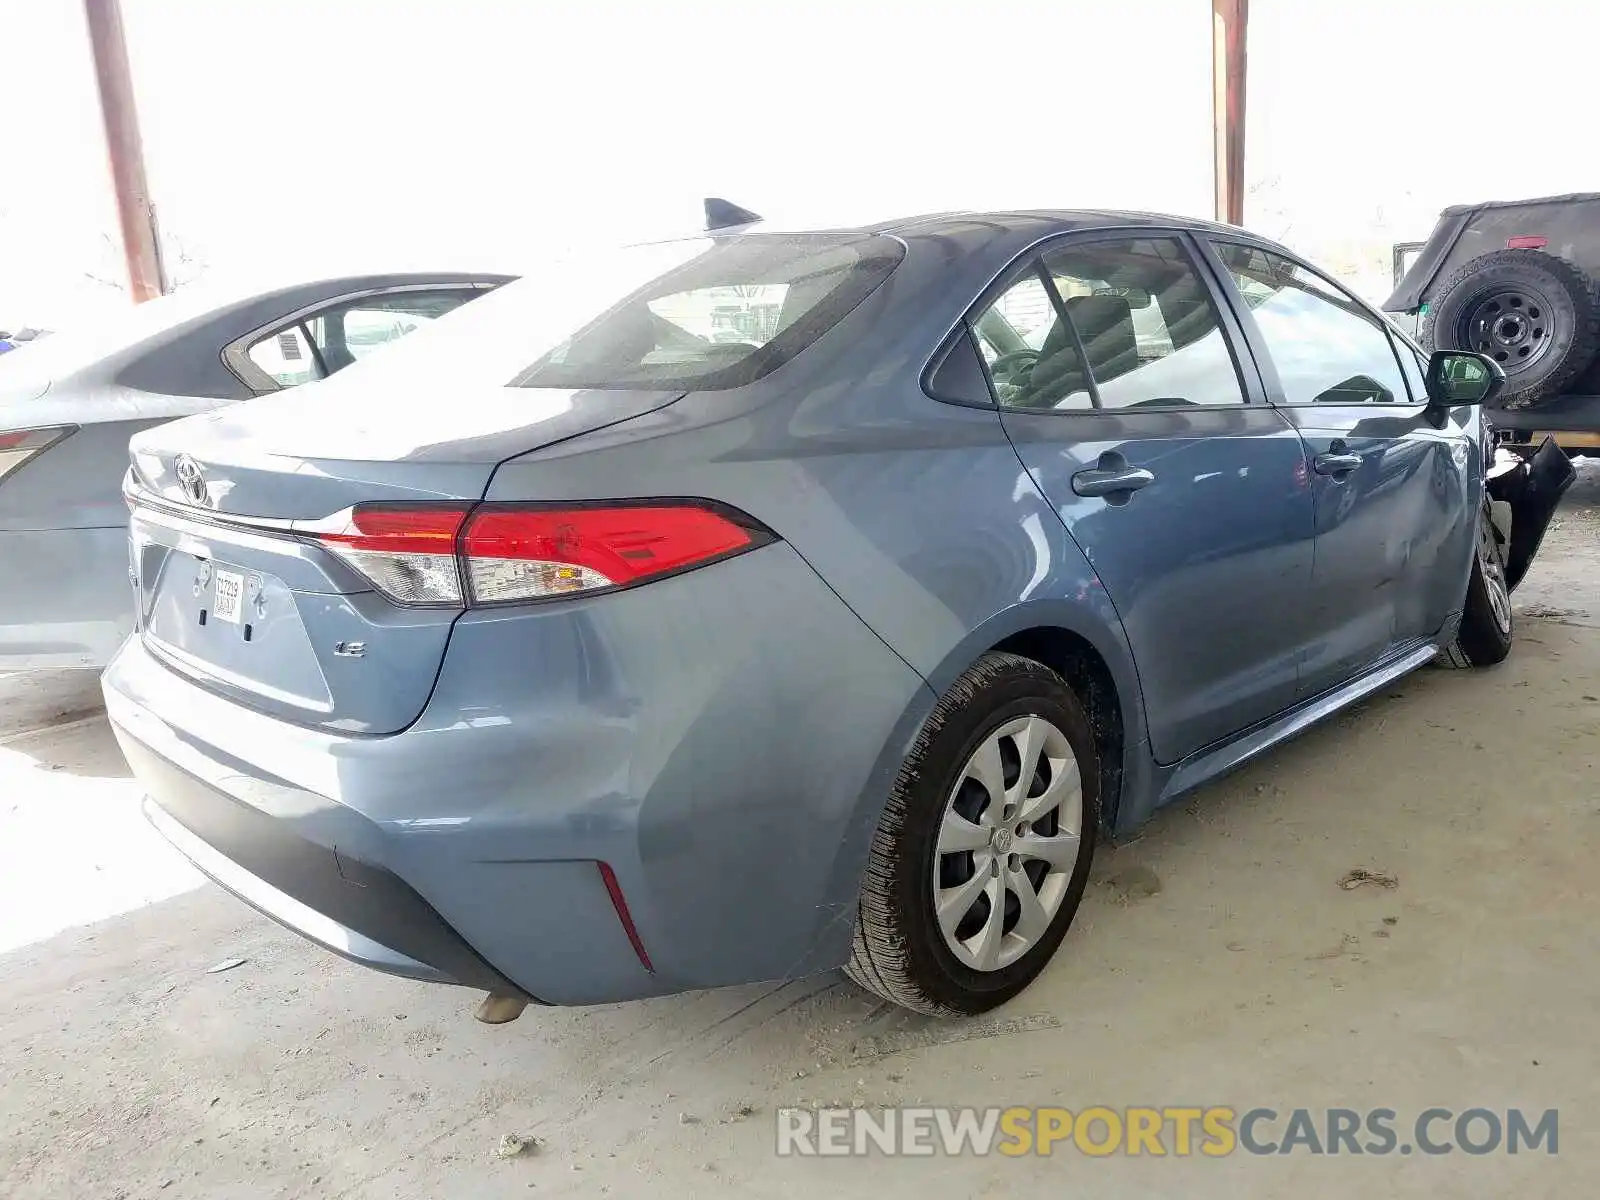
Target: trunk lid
<point>233,592</point>
<point>318,449</point>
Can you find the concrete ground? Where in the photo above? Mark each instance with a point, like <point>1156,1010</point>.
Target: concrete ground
<point>1215,961</point>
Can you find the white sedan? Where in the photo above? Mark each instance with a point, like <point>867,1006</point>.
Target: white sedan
<point>69,403</point>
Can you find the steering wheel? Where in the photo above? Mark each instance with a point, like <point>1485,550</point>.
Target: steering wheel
<point>1012,369</point>
<point>1009,362</point>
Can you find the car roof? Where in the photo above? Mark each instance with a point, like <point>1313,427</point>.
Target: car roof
<point>1066,218</point>
<point>1023,222</point>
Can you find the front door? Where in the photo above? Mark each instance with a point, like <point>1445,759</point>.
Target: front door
<point>1120,389</point>
<point>1394,527</point>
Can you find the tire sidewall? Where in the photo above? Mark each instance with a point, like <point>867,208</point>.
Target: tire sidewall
<point>1478,279</point>
<point>928,784</point>
<point>1480,636</point>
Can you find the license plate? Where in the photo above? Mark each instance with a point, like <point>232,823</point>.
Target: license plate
<point>229,596</point>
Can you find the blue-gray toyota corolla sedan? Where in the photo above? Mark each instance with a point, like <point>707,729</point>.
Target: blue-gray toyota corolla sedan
<point>745,606</point>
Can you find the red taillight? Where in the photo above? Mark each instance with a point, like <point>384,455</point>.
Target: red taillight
<point>1530,241</point>
<point>423,529</point>
<point>509,554</point>
<point>17,446</point>
<point>516,554</point>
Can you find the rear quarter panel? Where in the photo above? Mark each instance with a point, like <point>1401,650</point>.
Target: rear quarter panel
<point>918,515</point>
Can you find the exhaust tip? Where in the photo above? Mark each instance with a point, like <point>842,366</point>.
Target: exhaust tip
<point>497,1010</point>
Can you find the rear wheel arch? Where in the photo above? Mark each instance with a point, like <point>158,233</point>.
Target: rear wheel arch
<point>1091,655</point>
<point>1085,670</point>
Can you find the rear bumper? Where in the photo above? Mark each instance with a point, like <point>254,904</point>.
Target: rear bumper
<point>672,733</point>
<point>364,913</point>
<point>317,832</point>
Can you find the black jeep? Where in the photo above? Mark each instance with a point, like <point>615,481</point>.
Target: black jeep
<point>1514,280</point>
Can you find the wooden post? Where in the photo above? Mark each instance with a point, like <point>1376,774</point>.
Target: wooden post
<point>125,149</point>
<point>1229,19</point>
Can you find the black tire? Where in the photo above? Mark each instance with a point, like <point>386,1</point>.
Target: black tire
<point>899,951</point>
<point>1483,639</point>
<point>1567,323</point>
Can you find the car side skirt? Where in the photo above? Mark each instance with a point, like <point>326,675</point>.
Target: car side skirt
<point>1214,761</point>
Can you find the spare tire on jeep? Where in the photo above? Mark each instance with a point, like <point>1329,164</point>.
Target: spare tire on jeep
<point>1535,314</point>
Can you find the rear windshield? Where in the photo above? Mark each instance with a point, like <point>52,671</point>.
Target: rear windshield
<point>732,312</point>
<point>688,315</point>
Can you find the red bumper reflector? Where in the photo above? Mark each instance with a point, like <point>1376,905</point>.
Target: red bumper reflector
<point>620,903</point>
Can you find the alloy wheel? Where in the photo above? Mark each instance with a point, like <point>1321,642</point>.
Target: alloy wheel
<point>1008,843</point>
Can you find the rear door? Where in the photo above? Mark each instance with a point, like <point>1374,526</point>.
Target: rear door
<point>1120,384</point>
<point>1393,511</point>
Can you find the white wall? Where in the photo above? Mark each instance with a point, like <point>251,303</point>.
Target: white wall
<point>1366,117</point>
<point>282,132</point>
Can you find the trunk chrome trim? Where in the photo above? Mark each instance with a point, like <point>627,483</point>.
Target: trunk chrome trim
<point>140,497</point>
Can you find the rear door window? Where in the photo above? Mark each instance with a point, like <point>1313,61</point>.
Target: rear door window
<point>1031,357</point>
<point>1147,323</point>
<point>1114,323</point>
<point>285,358</point>
<point>320,343</point>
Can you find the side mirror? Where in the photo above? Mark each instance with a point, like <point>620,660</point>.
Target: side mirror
<point>1461,377</point>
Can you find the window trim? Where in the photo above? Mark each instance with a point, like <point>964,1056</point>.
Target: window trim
<point>1064,315</point>
<point>951,345</point>
<point>1252,386</point>
<point>1256,340</point>
<point>236,354</point>
<point>1402,347</point>
<point>311,345</point>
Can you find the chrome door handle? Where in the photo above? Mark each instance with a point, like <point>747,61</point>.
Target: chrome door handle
<point>1336,464</point>
<point>1098,482</point>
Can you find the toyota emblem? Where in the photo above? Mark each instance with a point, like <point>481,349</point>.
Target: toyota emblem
<point>191,480</point>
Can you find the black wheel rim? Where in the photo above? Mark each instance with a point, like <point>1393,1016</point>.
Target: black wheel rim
<point>1512,325</point>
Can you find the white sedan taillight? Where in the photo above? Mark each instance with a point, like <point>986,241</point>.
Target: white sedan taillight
<point>450,555</point>
<point>17,446</point>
